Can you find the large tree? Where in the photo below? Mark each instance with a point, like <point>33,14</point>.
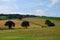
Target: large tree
<point>25,24</point>
<point>10,24</point>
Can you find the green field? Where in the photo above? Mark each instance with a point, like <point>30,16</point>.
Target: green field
<point>33,33</point>
<point>30,34</point>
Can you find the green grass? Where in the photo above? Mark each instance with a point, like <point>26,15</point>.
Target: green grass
<point>46,33</point>
<point>30,34</point>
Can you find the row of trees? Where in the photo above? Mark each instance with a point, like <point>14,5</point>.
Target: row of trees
<point>26,24</point>
<point>14,16</point>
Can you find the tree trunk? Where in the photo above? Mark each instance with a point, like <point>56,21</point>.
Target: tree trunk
<point>10,27</point>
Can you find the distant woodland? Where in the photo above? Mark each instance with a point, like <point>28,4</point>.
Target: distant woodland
<point>17,16</point>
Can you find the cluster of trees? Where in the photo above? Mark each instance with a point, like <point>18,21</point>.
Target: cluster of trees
<point>25,24</point>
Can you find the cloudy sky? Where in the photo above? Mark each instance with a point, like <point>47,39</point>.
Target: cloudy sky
<point>31,7</point>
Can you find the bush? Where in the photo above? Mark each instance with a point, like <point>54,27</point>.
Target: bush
<point>25,24</point>
<point>49,23</point>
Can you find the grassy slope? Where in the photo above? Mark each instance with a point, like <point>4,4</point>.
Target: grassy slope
<point>32,33</point>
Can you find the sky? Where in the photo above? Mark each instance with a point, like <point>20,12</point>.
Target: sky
<point>31,7</point>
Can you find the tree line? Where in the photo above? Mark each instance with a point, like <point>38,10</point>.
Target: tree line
<point>16,16</point>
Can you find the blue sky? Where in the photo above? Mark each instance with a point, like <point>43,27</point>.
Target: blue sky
<point>31,7</point>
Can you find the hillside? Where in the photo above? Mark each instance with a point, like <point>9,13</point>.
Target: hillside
<point>34,22</point>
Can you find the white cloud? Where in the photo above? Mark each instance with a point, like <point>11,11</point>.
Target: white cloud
<point>8,9</point>
<point>32,4</point>
<point>4,9</point>
<point>39,12</point>
<point>53,2</point>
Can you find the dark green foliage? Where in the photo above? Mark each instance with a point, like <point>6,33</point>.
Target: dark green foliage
<point>25,24</point>
<point>49,23</point>
<point>10,24</point>
<point>16,16</point>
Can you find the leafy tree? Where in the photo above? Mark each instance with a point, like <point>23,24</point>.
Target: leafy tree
<point>49,23</point>
<point>10,24</point>
<point>25,24</point>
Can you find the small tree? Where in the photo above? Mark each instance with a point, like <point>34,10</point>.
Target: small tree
<point>49,23</point>
<point>10,24</point>
<point>25,24</point>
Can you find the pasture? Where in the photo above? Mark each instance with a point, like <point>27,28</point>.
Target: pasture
<point>34,31</point>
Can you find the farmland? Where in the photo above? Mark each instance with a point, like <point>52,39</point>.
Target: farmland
<point>34,31</point>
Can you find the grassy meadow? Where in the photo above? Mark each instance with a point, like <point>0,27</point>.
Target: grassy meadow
<point>34,31</point>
